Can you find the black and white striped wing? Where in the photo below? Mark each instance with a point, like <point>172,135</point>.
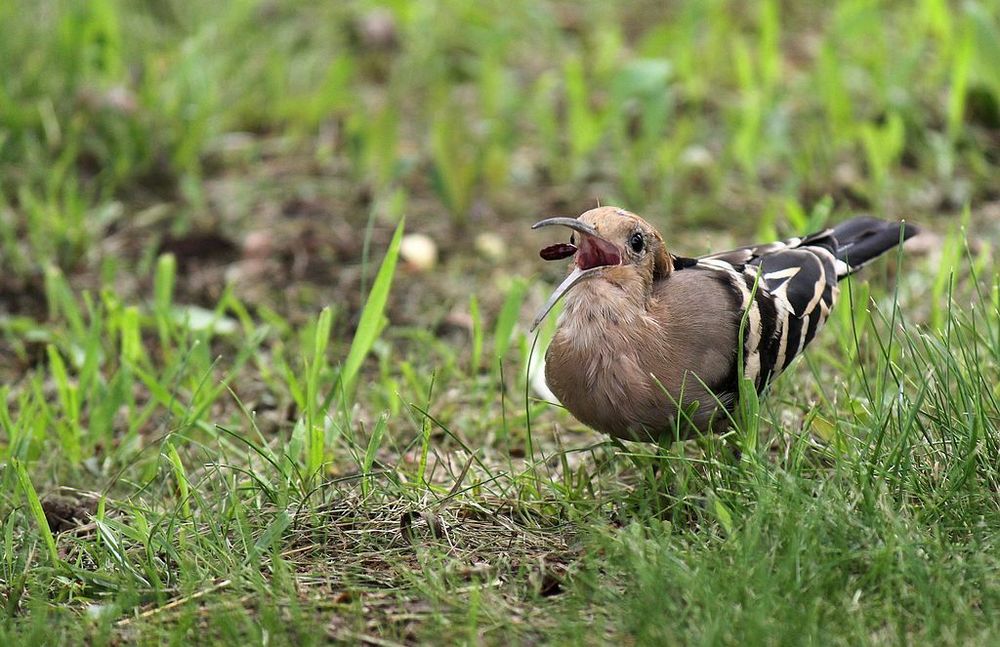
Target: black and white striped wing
<point>786,290</point>
<point>797,288</point>
<point>752,253</point>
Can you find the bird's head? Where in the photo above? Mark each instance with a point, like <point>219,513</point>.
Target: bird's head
<point>607,243</point>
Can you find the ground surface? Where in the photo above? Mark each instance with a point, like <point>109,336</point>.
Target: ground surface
<point>192,448</point>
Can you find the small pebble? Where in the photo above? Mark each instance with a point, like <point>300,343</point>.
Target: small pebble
<point>697,157</point>
<point>377,29</point>
<point>257,244</point>
<point>419,252</point>
<point>490,246</point>
<point>846,175</point>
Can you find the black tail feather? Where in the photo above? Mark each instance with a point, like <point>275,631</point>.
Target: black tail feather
<point>863,239</point>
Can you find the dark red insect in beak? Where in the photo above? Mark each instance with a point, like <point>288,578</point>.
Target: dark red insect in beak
<point>558,251</point>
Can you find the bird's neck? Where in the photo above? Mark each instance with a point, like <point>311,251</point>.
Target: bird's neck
<point>601,311</point>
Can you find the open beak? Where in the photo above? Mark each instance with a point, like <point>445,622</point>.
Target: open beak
<point>592,254</point>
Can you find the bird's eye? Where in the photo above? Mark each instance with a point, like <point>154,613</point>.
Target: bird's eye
<point>637,243</point>
<point>572,239</point>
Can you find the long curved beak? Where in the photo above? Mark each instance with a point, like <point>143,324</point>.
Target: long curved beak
<point>574,277</point>
<point>572,223</point>
<point>594,253</point>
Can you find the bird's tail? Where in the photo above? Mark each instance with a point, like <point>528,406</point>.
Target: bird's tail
<point>861,240</point>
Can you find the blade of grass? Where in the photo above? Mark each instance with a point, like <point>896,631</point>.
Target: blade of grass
<point>373,316</point>
<point>314,428</point>
<point>36,510</point>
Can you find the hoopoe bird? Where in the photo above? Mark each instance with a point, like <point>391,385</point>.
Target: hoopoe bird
<point>648,342</point>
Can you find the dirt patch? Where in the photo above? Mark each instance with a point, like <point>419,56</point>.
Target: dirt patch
<point>65,513</point>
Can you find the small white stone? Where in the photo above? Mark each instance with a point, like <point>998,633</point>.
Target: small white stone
<point>697,157</point>
<point>418,251</point>
<point>96,611</point>
<point>490,245</point>
<point>258,244</point>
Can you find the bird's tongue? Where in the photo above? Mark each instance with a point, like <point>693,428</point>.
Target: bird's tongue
<point>596,252</point>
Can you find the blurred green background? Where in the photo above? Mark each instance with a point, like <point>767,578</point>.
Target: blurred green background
<point>719,114</point>
<point>184,185</point>
<point>300,133</point>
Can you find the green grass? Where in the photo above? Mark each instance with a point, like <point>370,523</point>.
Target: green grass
<point>231,408</point>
